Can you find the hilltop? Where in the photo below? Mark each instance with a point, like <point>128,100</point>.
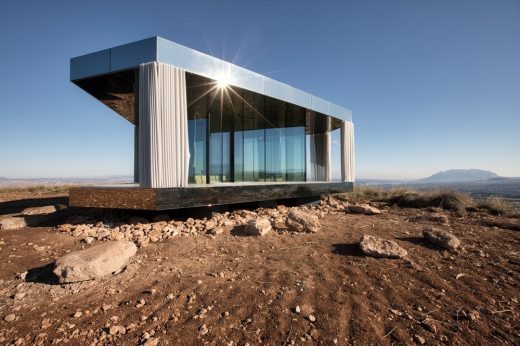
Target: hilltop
<point>201,280</point>
<point>459,176</point>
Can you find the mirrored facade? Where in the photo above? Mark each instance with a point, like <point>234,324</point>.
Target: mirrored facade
<point>236,135</point>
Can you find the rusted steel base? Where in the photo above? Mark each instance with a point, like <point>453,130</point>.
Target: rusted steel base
<point>118,197</point>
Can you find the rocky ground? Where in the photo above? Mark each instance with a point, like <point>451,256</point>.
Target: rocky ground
<point>274,276</point>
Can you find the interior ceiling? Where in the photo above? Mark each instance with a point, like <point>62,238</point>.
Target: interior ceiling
<point>119,91</point>
<point>116,90</point>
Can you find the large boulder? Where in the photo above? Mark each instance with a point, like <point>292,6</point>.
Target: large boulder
<point>300,221</point>
<point>378,247</point>
<point>363,209</point>
<point>258,227</point>
<point>12,223</point>
<point>441,238</point>
<point>94,262</point>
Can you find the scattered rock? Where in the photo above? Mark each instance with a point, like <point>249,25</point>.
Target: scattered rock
<point>94,262</point>
<point>11,222</point>
<point>297,309</point>
<point>217,230</point>
<point>19,295</point>
<point>363,209</point>
<point>114,330</point>
<point>419,339</point>
<point>78,314</point>
<point>10,318</point>
<point>473,315</point>
<point>312,318</point>
<point>378,247</point>
<point>300,221</point>
<point>152,342</point>
<point>430,325</point>
<point>396,312</point>
<point>258,227</point>
<point>203,330</point>
<point>48,209</point>
<point>441,238</point>
<point>88,240</point>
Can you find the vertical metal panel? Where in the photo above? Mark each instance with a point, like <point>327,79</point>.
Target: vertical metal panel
<point>301,98</point>
<point>283,91</point>
<point>132,54</point>
<point>90,65</point>
<point>339,112</point>
<point>320,105</point>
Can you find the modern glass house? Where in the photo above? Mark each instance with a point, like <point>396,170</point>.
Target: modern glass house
<point>208,132</point>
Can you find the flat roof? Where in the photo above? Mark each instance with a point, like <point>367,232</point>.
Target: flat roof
<point>158,49</point>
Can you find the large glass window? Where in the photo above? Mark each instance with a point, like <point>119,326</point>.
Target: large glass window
<point>197,98</point>
<point>236,135</point>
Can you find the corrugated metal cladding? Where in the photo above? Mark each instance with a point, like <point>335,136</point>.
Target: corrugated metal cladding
<point>161,50</point>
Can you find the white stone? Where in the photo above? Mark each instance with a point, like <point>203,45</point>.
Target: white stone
<point>299,221</point>
<point>10,223</point>
<point>363,209</point>
<point>441,238</point>
<point>94,262</point>
<point>258,227</point>
<point>378,247</point>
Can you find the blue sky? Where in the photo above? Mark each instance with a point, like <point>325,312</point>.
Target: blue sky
<point>433,85</point>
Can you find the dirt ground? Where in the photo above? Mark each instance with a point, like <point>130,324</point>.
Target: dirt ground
<point>244,290</point>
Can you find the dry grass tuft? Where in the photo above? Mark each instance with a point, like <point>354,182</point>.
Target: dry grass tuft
<point>445,199</point>
<point>497,206</point>
<point>409,198</point>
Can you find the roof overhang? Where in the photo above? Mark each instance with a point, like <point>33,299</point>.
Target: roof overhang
<point>130,56</point>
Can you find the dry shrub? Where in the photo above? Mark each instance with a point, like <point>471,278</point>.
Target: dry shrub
<point>366,194</point>
<point>409,198</point>
<point>502,223</point>
<point>445,199</point>
<point>496,206</point>
<point>362,194</point>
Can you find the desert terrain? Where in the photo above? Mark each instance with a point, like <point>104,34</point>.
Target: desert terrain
<point>197,281</point>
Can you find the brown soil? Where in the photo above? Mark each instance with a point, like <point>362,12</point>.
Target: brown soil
<point>250,287</point>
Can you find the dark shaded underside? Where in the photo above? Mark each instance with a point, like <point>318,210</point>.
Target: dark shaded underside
<point>174,198</point>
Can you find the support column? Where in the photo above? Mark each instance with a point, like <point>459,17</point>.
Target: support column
<point>348,172</point>
<point>163,126</point>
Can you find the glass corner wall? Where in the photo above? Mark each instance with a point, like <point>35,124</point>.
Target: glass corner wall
<point>236,135</point>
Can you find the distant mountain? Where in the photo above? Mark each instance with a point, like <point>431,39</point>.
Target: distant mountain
<point>459,175</point>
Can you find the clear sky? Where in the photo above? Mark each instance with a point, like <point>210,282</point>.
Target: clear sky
<point>433,85</point>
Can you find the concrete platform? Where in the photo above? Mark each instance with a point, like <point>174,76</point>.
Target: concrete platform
<point>130,196</point>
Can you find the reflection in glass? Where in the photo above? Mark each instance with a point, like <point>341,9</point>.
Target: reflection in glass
<point>236,135</point>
